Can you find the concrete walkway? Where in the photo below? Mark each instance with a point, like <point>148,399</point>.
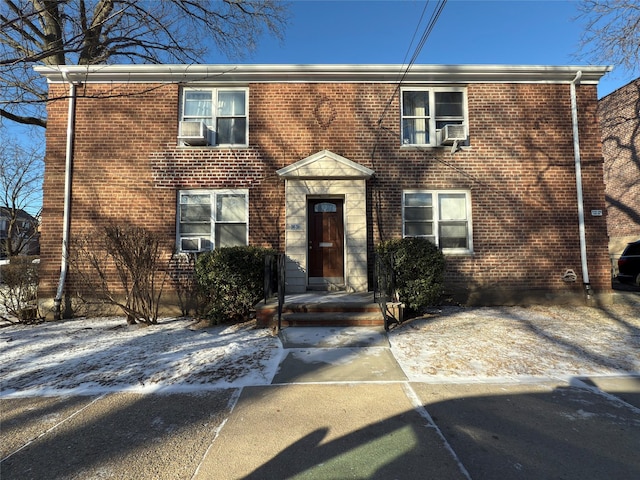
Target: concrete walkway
<point>335,410</point>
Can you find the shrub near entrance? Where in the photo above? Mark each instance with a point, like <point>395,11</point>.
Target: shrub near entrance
<point>418,266</point>
<point>231,280</point>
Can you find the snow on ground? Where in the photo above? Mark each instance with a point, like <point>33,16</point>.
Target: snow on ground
<point>517,342</point>
<point>91,356</point>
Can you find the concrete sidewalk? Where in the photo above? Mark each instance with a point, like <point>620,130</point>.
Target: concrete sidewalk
<point>339,407</point>
<point>329,431</point>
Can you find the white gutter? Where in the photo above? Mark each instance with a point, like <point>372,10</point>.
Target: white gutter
<point>576,153</point>
<point>339,73</point>
<point>66,219</point>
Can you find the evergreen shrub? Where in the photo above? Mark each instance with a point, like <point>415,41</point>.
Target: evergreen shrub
<point>418,266</point>
<point>231,281</point>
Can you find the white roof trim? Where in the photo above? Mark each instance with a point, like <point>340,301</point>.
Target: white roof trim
<point>245,74</point>
<point>300,168</point>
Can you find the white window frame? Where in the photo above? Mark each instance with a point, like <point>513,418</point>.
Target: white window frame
<point>436,218</point>
<point>212,120</point>
<point>431,119</point>
<point>213,193</point>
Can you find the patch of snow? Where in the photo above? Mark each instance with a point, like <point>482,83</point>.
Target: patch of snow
<point>518,342</point>
<point>93,356</point>
<point>450,345</point>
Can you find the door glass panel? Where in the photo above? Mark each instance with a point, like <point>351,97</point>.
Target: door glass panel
<point>325,207</point>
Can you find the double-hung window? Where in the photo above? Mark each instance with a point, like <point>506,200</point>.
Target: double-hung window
<point>222,110</point>
<point>426,112</point>
<point>209,219</point>
<point>443,217</point>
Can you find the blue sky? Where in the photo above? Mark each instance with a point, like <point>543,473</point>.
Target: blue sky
<point>533,32</point>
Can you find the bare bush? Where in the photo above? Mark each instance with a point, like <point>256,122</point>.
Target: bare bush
<point>19,290</point>
<point>123,268</point>
<point>183,280</point>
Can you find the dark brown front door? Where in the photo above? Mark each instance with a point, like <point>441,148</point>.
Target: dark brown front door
<point>326,241</point>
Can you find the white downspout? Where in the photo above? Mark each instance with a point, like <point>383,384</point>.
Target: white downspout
<point>66,219</point>
<point>576,153</point>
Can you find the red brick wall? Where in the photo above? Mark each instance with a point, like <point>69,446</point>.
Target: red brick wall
<point>619,115</point>
<point>519,169</point>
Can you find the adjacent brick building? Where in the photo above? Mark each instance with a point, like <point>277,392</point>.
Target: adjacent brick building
<point>334,159</point>
<point>619,115</point>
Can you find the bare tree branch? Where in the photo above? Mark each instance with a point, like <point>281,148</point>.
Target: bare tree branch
<point>25,120</point>
<point>20,187</point>
<point>90,32</point>
<point>612,32</point>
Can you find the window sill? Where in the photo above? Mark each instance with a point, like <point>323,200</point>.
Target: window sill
<point>418,148</point>
<point>213,147</point>
<point>457,253</point>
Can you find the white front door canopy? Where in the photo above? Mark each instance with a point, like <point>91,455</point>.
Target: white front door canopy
<point>325,164</point>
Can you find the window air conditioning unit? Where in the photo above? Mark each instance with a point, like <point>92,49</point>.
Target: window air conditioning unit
<point>193,133</point>
<point>453,133</point>
<point>191,244</point>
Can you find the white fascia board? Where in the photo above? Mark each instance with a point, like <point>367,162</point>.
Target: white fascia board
<point>245,74</point>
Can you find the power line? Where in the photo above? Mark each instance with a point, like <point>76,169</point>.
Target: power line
<point>435,15</point>
<point>424,10</point>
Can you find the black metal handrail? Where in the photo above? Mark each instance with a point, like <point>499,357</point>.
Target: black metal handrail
<point>270,281</point>
<point>384,292</point>
<point>274,281</point>
<point>281,287</point>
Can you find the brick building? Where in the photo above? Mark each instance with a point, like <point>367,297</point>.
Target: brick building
<point>322,162</point>
<point>619,116</point>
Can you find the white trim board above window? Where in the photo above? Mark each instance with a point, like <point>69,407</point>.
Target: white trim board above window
<point>214,116</point>
<point>441,216</point>
<point>433,116</point>
<point>212,218</point>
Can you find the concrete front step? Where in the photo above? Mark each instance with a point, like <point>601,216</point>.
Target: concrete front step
<point>331,307</point>
<point>334,318</point>
<point>322,310</point>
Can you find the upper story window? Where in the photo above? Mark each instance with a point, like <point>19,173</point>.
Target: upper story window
<point>442,216</point>
<point>433,116</point>
<point>214,116</point>
<point>209,219</point>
